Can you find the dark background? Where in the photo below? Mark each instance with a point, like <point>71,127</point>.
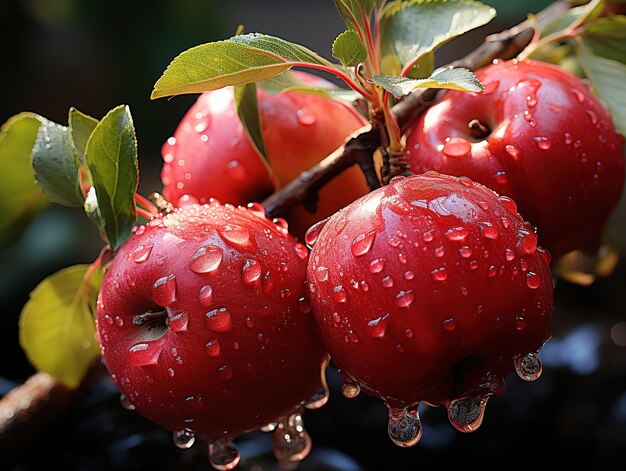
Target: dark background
<point>97,54</point>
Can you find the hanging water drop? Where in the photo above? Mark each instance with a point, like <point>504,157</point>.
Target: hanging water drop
<point>251,272</point>
<point>223,455</point>
<point>405,428</point>
<point>184,438</point>
<point>291,443</point>
<point>125,403</point>
<point>466,414</point>
<point>404,298</point>
<point>178,322</point>
<point>164,290</point>
<point>219,320</point>
<point>528,367</point>
<point>378,326</point>
<point>141,253</point>
<point>145,353</point>
<point>350,390</point>
<point>313,233</point>
<point>363,243</point>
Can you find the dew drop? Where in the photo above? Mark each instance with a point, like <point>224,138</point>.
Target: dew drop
<point>580,96</point>
<point>457,233</point>
<point>235,236</point>
<point>409,275</point>
<point>318,399</point>
<point>235,170</point>
<point>206,296</point>
<point>543,142</point>
<point>488,230</point>
<point>251,272</point>
<point>377,265</point>
<point>339,294</point>
<point>350,390</point>
<point>184,438</point>
<point>465,251</point>
<point>206,259</point>
<point>362,243</point>
<point>141,253</point>
<point>387,282</point>
<point>310,238</point>
<point>428,236</point>
<point>321,274</point>
<point>509,254</point>
<point>291,442</point>
<point>440,252</point>
<point>219,320</point>
<point>440,274</point>
<point>282,225</point>
<point>592,116</point>
<point>449,324</point>
<point>301,251</point>
<point>378,326</point>
<point>178,322</point>
<point>404,427</point>
<point>456,147</point>
<point>125,403</point>
<point>520,323</point>
<point>306,117</point>
<point>164,290</point>
<point>466,414</point>
<point>533,281</point>
<point>145,353</point>
<point>223,455</point>
<point>513,151</point>
<point>527,242</point>
<point>212,348</point>
<point>404,298</point>
<point>568,138</point>
<point>225,372</point>
<point>528,367</point>
<point>257,209</point>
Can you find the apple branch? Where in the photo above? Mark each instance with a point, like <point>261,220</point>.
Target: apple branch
<point>361,145</point>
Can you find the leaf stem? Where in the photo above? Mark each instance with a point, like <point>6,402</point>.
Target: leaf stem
<point>340,74</point>
<point>146,204</point>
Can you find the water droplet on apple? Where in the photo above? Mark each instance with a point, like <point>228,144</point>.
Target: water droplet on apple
<point>378,326</point>
<point>235,236</point>
<point>251,272</point>
<point>206,296</point>
<point>306,117</point>
<point>339,294</point>
<point>206,259</point>
<point>145,353</point>
<point>164,290</point>
<point>377,265</point>
<point>363,243</point>
<point>178,322</point>
<point>404,298</point>
<point>313,233</point>
<point>488,230</point>
<point>533,281</point>
<point>513,151</point>
<point>543,142</point>
<point>439,274</point>
<point>465,251</point>
<point>580,96</point>
<point>219,320</point>
<point>301,251</point>
<point>141,253</point>
<point>225,372</point>
<point>236,170</point>
<point>404,427</point>
<point>387,282</point>
<point>449,324</point>
<point>321,274</point>
<point>527,242</point>
<point>456,147</point>
<point>457,233</point>
<point>212,348</point>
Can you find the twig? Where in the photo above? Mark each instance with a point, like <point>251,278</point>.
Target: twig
<point>360,147</point>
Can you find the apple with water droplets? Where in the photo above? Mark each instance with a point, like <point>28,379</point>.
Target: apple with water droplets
<point>210,154</point>
<point>431,289</point>
<point>537,135</point>
<point>205,325</point>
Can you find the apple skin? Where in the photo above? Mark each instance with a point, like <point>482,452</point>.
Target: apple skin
<point>210,155</point>
<point>551,146</point>
<point>427,289</point>
<point>218,374</point>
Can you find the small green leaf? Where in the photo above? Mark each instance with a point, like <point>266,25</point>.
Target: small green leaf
<point>455,79</point>
<point>248,112</point>
<point>606,37</point>
<point>349,49</point>
<point>410,29</point>
<point>20,196</point>
<point>56,165</point>
<point>288,82</point>
<point>81,126</point>
<point>236,61</point>
<point>57,325</point>
<point>608,78</point>
<point>111,156</point>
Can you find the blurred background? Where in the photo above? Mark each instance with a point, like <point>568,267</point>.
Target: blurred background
<point>96,54</point>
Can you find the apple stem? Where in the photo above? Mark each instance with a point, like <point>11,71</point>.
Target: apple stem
<point>478,129</point>
<point>149,317</point>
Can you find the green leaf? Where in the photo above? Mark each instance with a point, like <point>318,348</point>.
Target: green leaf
<point>111,156</point>
<point>455,79</point>
<point>288,82</point>
<point>57,325</point>
<point>608,78</point>
<point>349,49</point>
<point>248,112</point>
<point>81,126</point>
<point>414,28</point>
<point>579,15</point>
<point>236,61</point>
<point>20,196</point>
<point>606,37</point>
<point>352,12</point>
<point>56,165</point>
